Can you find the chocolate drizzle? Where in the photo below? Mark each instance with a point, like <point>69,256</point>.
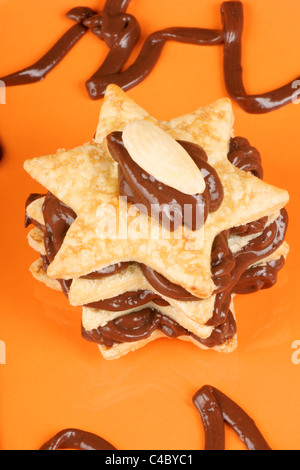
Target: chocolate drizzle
<point>167,205</point>
<point>121,31</point>
<point>215,409</point>
<point>233,22</point>
<point>51,59</point>
<point>112,70</point>
<point>77,440</point>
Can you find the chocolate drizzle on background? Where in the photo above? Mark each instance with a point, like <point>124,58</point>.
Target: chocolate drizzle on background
<point>121,31</point>
<point>233,23</point>
<point>215,409</point>
<point>51,59</point>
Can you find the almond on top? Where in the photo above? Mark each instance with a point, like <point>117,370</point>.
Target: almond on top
<point>156,152</point>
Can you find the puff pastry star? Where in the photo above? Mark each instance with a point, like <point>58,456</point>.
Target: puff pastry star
<point>86,179</point>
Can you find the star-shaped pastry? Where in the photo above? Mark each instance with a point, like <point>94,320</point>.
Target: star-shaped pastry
<point>86,180</point>
<point>86,291</point>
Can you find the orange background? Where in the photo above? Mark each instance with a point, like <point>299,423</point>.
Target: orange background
<point>53,379</point>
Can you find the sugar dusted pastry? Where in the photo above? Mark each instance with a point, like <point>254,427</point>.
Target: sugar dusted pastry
<point>123,233</point>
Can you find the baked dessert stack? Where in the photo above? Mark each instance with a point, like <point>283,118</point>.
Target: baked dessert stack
<point>156,226</point>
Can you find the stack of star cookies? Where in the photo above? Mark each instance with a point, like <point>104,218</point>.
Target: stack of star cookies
<point>156,226</point>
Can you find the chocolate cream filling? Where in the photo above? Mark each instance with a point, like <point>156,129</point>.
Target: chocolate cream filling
<point>231,273</point>
<point>164,203</point>
<point>138,326</point>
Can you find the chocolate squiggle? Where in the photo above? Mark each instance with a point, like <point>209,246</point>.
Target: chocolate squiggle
<point>40,69</point>
<point>148,56</point>
<point>215,409</point>
<point>121,31</point>
<point>78,440</point>
<point>233,22</point>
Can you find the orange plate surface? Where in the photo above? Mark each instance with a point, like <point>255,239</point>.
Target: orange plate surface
<point>54,379</point>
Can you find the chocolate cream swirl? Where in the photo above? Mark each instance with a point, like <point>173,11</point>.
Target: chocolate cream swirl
<point>164,203</point>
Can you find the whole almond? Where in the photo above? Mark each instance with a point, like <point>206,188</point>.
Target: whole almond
<point>156,152</point>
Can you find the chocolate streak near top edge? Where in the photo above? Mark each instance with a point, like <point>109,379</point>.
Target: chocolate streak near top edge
<point>39,70</point>
<point>121,48</point>
<point>233,22</point>
<point>230,36</point>
<point>121,32</point>
<point>215,409</point>
<point>166,204</point>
